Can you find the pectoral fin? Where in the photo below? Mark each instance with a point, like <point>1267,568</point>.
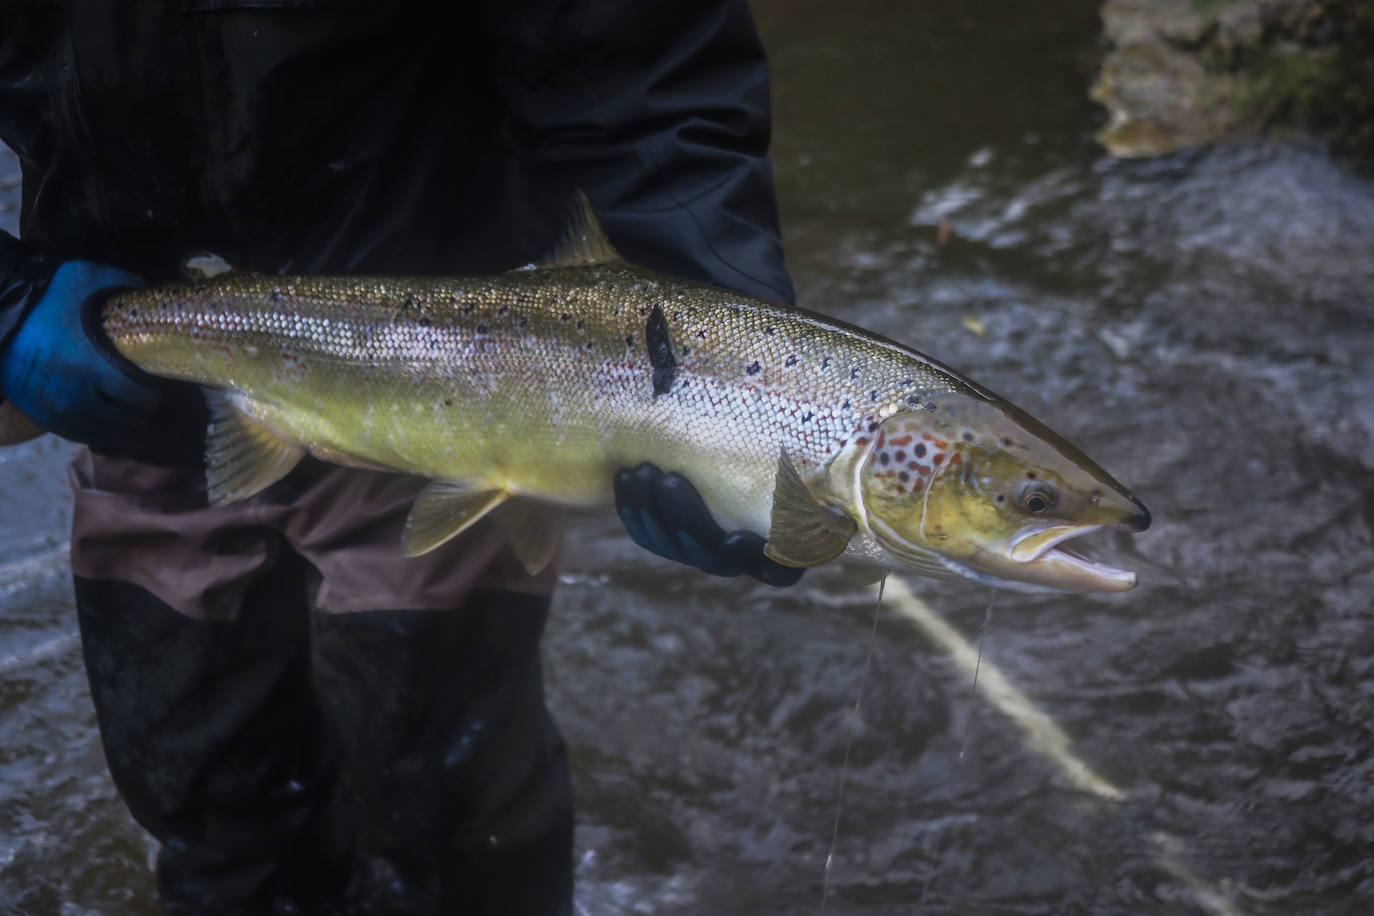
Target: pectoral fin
<point>242,457</point>
<point>443,511</point>
<point>803,532</point>
<point>533,530</point>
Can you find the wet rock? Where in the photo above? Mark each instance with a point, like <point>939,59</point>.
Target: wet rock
<point>1183,73</point>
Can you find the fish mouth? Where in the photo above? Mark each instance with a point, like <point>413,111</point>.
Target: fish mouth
<point>1042,550</point>
<point>1035,560</point>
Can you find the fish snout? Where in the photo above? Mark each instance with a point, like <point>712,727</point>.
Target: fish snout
<point>1139,518</point>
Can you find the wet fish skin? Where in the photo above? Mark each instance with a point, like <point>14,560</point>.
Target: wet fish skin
<point>540,383</point>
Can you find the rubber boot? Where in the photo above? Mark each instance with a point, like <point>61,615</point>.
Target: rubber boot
<point>458,775</point>
<point>214,740</point>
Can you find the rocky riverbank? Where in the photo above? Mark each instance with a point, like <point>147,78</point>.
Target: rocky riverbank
<point>1183,73</point>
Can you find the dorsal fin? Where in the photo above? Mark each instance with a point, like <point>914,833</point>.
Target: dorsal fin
<point>584,242</point>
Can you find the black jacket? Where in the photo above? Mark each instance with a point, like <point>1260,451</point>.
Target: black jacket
<point>375,135</point>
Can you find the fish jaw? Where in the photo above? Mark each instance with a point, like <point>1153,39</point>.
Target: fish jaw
<point>1039,552</point>
<point>1045,568</point>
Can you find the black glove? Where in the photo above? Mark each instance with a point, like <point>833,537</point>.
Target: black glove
<point>665,515</point>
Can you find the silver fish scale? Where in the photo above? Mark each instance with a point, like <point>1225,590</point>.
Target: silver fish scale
<point>540,372</point>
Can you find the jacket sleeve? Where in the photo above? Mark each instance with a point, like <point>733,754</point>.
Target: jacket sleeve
<point>24,274</point>
<point>29,53</point>
<point>660,113</point>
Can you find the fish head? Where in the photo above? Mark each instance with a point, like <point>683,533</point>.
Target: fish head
<point>971,485</point>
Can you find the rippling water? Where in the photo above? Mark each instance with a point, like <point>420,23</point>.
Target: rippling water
<point>1201,324</point>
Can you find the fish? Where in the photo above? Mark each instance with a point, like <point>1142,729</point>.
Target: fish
<point>520,394</point>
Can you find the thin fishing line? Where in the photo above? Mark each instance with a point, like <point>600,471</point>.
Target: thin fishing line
<point>977,666</point>
<point>849,741</point>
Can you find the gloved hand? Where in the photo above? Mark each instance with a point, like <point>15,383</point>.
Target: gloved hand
<point>665,515</point>
<point>56,369</point>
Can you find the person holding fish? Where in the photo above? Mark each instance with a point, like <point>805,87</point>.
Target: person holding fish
<point>307,720</point>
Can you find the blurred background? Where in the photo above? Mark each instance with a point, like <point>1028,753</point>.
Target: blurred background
<point>1200,322</point>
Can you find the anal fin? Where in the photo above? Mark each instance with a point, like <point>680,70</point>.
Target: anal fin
<point>242,457</point>
<point>533,530</point>
<point>443,511</point>
<point>803,532</point>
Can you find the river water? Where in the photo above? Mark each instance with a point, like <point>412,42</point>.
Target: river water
<point>1201,324</point>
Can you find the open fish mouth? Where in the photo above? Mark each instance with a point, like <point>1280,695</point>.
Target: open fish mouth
<point>1037,560</point>
<point>1043,553</point>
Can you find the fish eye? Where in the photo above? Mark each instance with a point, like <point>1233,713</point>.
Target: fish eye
<point>1037,499</point>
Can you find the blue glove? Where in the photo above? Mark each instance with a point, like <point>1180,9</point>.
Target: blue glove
<point>56,371</point>
<point>665,515</point>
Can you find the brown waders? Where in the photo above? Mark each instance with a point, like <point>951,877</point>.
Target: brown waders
<point>308,721</point>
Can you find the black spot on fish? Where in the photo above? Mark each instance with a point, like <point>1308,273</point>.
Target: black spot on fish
<point>660,344</point>
<point>1006,442</point>
<point>873,394</point>
<point>629,341</point>
<point>590,345</point>
<point>825,363</point>
<point>564,317</point>
<point>424,321</point>
<point>522,321</point>
<point>903,476</point>
<point>448,402</point>
<point>809,415</point>
<point>768,330</point>
<point>481,329</point>
<point>900,456</point>
<point>920,450</point>
<point>753,368</point>
<point>677,316</point>
<point>791,360</point>
<point>854,373</point>
<point>884,458</point>
<point>686,350</point>
<point>503,309</point>
<point>701,335</point>
<point>467,309</point>
<point>913,400</point>
<point>968,437</point>
<point>581,325</point>
<point>847,405</point>
<point>873,427</point>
